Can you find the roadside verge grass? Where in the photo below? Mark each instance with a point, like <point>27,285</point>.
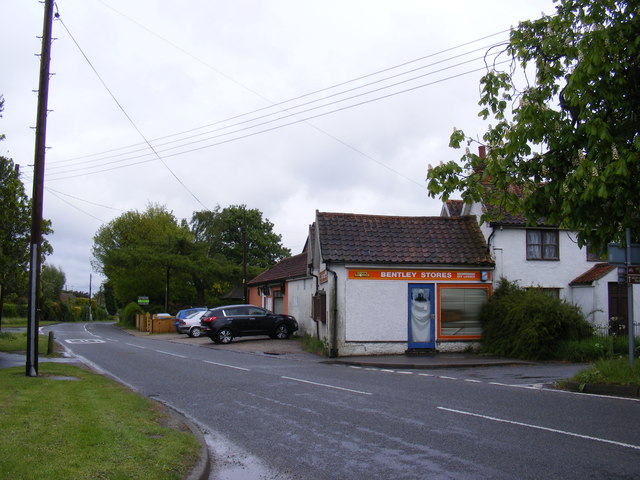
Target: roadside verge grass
<point>14,322</point>
<point>615,371</point>
<point>17,342</point>
<point>71,423</point>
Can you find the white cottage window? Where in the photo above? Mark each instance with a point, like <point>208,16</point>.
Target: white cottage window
<point>542,245</point>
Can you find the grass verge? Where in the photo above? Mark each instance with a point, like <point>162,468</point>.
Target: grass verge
<point>87,428</point>
<point>17,342</point>
<point>615,371</point>
<point>313,345</point>
<point>16,322</point>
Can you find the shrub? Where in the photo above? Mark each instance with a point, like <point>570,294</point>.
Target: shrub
<point>9,310</point>
<point>129,314</point>
<point>529,324</point>
<point>57,312</point>
<point>596,348</point>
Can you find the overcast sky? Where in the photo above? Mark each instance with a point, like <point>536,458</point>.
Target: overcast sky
<point>287,106</point>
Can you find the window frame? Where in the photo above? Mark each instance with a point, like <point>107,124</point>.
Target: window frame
<point>542,245</point>
<point>439,335</point>
<point>595,256</point>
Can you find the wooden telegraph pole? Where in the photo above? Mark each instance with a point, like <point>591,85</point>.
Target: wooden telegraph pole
<point>38,193</point>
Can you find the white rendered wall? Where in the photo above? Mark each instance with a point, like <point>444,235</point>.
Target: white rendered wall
<point>299,293</point>
<point>509,248</point>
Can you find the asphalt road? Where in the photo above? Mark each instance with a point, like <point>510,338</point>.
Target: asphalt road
<point>294,417</point>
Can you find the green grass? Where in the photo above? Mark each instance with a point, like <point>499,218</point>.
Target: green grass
<point>596,348</point>
<point>313,345</point>
<point>15,322</point>
<point>612,372</point>
<point>17,342</point>
<point>89,428</point>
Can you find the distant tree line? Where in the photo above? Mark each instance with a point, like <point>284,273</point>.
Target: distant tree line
<point>182,263</point>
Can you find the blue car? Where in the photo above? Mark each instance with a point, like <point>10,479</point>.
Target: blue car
<point>182,314</point>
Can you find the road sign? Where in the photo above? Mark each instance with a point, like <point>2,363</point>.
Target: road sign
<point>633,275</point>
<point>617,255</point>
<point>143,300</point>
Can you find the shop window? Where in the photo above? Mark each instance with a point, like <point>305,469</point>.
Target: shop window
<point>542,245</point>
<point>460,311</point>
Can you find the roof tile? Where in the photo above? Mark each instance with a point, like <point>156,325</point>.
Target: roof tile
<point>596,272</point>
<point>291,267</point>
<point>346,237</point>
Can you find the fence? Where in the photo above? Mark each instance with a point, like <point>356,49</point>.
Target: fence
<point>616,328</point>
<point>145,322</point>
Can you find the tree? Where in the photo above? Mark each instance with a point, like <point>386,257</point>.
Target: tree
<point>566,146</point>
<point>140,252</point>
<point>221,237</point>
<point>15,229</point>
<point>52,280</point>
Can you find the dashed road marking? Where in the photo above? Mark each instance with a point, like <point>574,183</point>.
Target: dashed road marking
<point>84,340</point>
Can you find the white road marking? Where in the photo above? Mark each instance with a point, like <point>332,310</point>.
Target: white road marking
<point>405,373</point>
<point>84,340</point>
<point>470,380</point>
<point>88,332</point>
<point>137,346</point>
<point>326,385</point>
<point>172,354</point>
<point>546,429</point>
<point>225,365</point>
<point>426,375</point>
<point>447,378</point>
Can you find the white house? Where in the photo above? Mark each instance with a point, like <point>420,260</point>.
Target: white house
<point>550,258</point>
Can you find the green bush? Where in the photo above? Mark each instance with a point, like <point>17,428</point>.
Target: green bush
<point>529,324</point>
<point>9,310</point>
<point>57,312</point>
<point>596,348</point>
<point>128,316</point>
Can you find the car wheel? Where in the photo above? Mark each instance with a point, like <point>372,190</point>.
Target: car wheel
<point>195,332</point>
<point>282,332</point>
<point>224,336</point>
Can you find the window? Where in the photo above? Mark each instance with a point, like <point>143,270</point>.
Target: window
<point>542,245</point>
<point>594,255</point>
<point>460,310</point>
<point>550,292</point>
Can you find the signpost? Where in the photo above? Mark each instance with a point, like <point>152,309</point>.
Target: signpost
<point>633,275</point>
<point>143,300</point>
<point>628,257</point>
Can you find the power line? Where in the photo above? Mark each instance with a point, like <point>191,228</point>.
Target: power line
<point>72,171</point>
<point>265,130</point>
<point>126,114</point>
<point>288,111</point>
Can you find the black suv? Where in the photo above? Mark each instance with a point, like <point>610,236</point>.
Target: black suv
<point>222,324</point>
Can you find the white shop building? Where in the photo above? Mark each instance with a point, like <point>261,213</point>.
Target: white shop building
<point>391,284</point>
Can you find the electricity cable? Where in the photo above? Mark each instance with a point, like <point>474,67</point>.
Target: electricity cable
<point>126,114</point>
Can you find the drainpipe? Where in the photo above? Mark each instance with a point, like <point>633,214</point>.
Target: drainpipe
<point>333,351</point>
<point>310,270</point>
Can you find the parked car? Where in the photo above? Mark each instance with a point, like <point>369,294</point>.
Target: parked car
<point>191,324</point>
<point>185,313</point>
<point>222,324</point>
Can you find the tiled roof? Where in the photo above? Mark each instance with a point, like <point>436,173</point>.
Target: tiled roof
<point>346,237</point>
<point>596,272</point>
<point>291,267</point>
<point>455,207</point>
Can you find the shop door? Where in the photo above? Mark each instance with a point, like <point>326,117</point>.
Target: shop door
<point>421,316</point>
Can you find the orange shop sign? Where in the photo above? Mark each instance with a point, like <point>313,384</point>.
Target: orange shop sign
<point>426,275</point>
